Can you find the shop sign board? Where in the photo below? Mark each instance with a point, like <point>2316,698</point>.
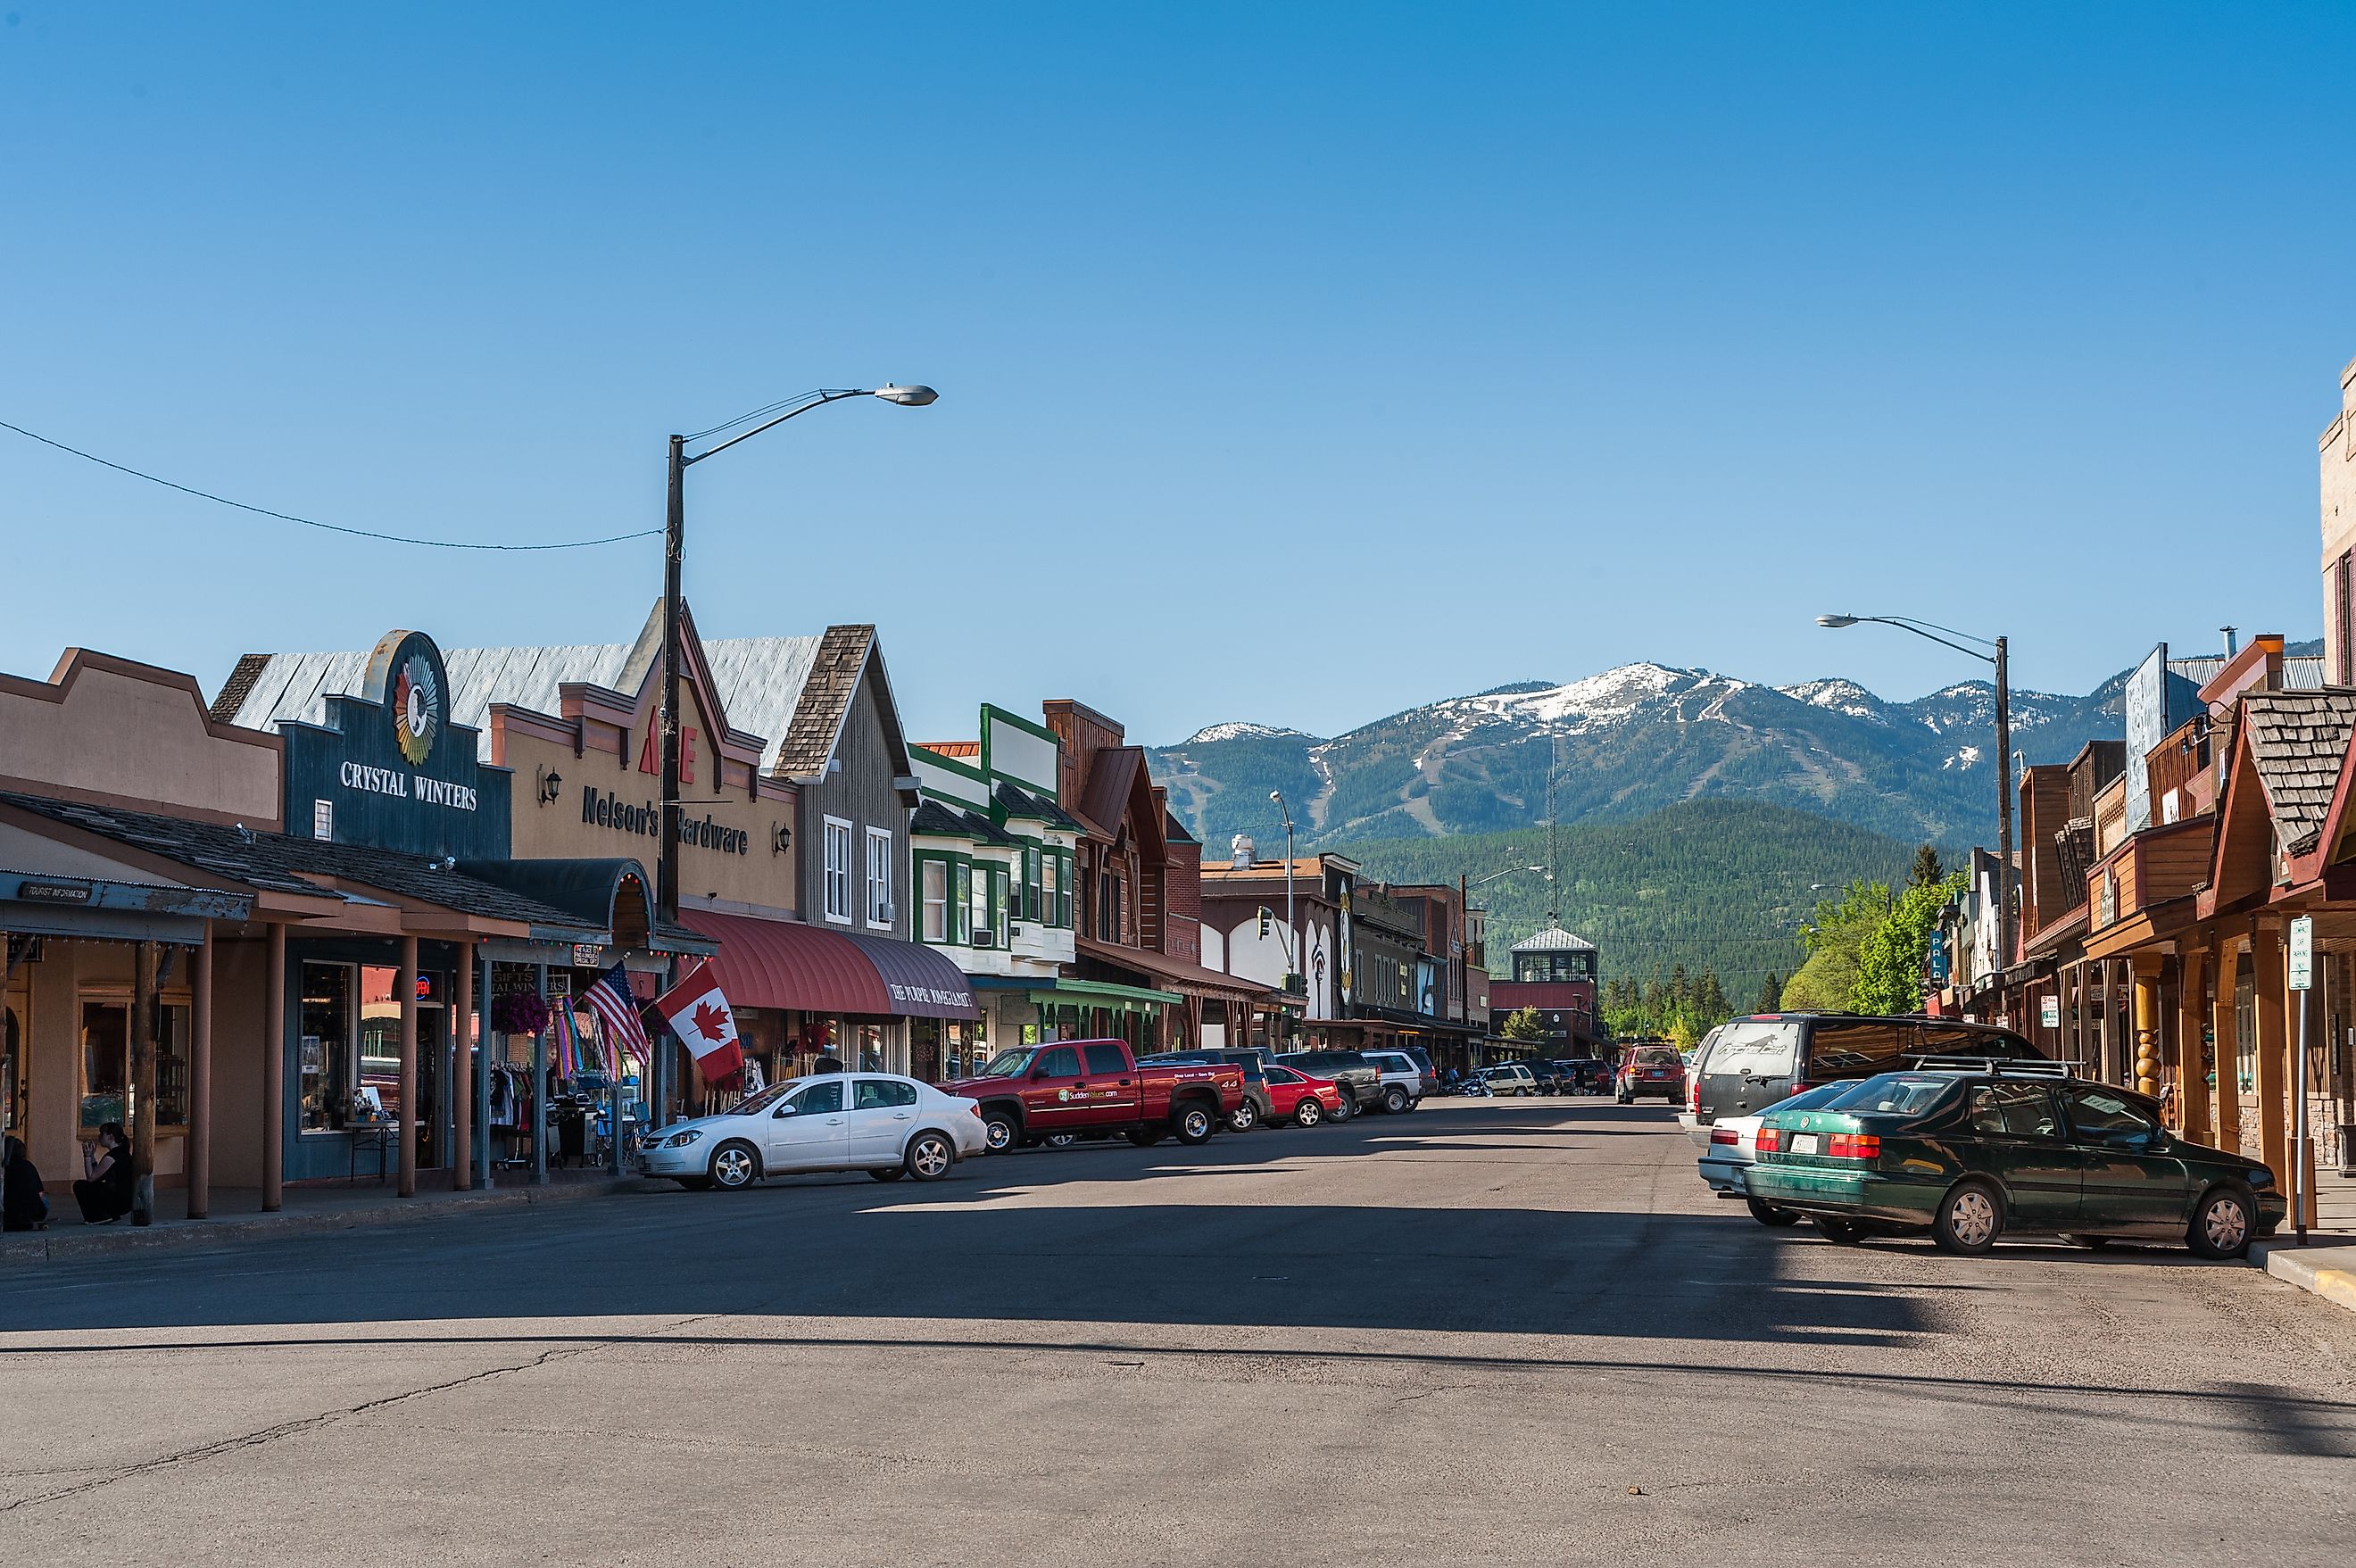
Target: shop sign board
<point>2302,954</point>
<point>2049,1011</point>
<point>389,770</point>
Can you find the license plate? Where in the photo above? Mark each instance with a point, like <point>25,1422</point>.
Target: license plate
<point>1803,1143</point>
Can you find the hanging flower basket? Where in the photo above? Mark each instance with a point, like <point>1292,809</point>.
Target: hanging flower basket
<point>519,1012</point>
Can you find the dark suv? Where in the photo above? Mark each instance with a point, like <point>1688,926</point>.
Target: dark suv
<point>1253,1111</point>
<point>1361,1081</point>
<point>1755,1062</point>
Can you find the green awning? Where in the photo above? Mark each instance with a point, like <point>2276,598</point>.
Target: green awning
<point>1082,993</point>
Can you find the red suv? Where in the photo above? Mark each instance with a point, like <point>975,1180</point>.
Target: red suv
<point>1650,1070</point>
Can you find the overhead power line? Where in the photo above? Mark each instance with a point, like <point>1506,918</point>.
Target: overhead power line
<point>314,522</point>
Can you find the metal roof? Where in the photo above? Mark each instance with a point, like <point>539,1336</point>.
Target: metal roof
<point>1554,939</point>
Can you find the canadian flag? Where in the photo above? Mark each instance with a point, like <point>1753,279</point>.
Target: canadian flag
<point>699,1014</point>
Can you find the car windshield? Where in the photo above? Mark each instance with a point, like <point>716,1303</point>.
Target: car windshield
<point>1658,1057</point>
<point>759,1102</point>
<point>1893,1093</point>
<point>1006,1063</point>
<point>1822,1094</point>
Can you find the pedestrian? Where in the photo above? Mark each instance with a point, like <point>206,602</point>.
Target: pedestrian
<point>105,1195</point>
<point>826,1064</point>
<point>23,1204</point>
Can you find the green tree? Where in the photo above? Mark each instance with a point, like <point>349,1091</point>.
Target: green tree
<point>1928,871</point>
<point>1710,1007</point>
<point>1522,1024</point>
<point>1836,940</point>
<point>1890,962</point>
<point>1771,994</point>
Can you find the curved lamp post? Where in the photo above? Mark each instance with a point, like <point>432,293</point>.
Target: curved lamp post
<point>1932,630</point>
<point>1292,936</point>
<point>674,540</point>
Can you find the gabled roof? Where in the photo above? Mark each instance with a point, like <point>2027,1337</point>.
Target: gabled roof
<point>799,691</point>
<point>1018,803</point>
<point>1554,939</point>
<point>1118,783</point>
<point>2297,741</point>
<point>938,819</point>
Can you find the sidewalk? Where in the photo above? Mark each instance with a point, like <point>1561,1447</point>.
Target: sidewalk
<point>237,1213</point>
<point>2326,1264</point>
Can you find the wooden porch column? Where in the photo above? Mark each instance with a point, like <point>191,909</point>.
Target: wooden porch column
<point>2274,1047</point>
<point>2226,1030</point>
<point>407,985</point>
<point>143,1083</point>
<point>273,1075</point>
<point>2191,1066</point>
<point>462,1074</point>
<point>201,1081</point>
<point>2146,966</point>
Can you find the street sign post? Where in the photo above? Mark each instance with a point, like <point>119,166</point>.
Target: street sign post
<point>2302,979</point>
<point>2049,1011</point>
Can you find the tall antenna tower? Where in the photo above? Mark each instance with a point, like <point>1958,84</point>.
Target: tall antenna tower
<point>1554,842</point>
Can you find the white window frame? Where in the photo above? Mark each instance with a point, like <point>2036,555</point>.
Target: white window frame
<point>837,875</point>
<point>879,879</point>
<point>977,904</point>
<point>931,870</point>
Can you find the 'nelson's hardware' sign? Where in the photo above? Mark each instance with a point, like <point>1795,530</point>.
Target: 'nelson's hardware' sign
<point>603,808</point>
<point>388,770</point>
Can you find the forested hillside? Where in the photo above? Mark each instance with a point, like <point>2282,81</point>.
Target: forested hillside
<point>1717,884</point>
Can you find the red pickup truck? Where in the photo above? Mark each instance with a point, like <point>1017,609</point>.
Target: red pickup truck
<point>1032,1092</point>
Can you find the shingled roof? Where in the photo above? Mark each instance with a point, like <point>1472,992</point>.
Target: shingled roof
<point>2298,742</point>
<point>279,863</point>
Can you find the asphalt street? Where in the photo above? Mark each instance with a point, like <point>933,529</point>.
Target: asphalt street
<point>1486,1331</point>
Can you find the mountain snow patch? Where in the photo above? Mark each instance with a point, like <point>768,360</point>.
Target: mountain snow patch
<point>1237,732</point>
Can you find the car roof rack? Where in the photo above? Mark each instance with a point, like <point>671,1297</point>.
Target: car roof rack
<point>1995,1066</point>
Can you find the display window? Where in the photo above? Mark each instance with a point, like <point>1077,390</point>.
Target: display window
<point>324,1063</point>
<point>14,1081</point>
<point>106,1087</point>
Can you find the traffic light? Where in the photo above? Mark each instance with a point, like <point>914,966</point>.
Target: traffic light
<point>1266,919</point>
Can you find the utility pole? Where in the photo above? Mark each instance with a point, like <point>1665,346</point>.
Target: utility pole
<point>1553,841</point>
<point>2004,914</point>
<point>667,852</point>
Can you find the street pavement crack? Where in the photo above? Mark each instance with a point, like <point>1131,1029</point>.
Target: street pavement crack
<point>319,1421</point>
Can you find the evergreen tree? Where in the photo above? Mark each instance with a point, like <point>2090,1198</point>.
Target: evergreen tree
<point>1710,1006</point>
<point>1771,994</point>
<point>1928,871</point>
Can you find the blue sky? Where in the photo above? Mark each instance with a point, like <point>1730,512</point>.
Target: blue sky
<point>1298,364</point>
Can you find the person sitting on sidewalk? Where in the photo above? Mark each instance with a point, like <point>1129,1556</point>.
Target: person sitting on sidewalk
<point>106,1196</point>
<point>23,1204</point>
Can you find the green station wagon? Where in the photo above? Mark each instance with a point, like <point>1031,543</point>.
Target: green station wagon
<point>1965,1154</point>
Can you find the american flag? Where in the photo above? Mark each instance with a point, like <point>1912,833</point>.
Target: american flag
<point>617,1011</point>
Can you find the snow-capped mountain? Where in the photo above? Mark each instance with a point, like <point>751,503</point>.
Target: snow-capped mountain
<point>1624,743</point>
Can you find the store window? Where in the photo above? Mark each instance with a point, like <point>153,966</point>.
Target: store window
<point>323,1067</point>
<point>1047,880</point>
<point>998,879</point>
<point>961,903</point>
<point>879,877</point>
<point>1063,892</point>
<point>978,906</point>
<point>107,1090</point>
<point>937,901</point>
<point>838,869</point>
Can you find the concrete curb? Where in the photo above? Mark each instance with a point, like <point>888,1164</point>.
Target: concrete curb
<point>2327,1272</point>
<point>72,1242</point>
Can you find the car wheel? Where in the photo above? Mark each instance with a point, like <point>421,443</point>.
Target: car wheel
<point>1001,1131</point>
<point>734,1166</point>
<point>1243,1117</point>
<point>1346,1108</point>
<point>1308,1113</point>
<point>891,1173</point>
<point>1971,1217</point>
<point>1060,1140</point>
<point>1194,1125</point>
<point>2223,1224</point>
<point>1394,1101</point>
<point>1145,1137</point>
<point>1847,1232</point>
<point>930,1158</point>
<point>1769,1214</point>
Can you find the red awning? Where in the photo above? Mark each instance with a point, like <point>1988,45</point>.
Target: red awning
<point>778,964</point>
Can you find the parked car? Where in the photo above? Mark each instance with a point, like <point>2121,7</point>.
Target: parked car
<point>1757,1061</point>
<point>1029,1093</point>
<point>1649,1070</point>
<point>1510,1078</point>
<point>1422,1060</point>
<point>1547,1076</point>
<point>1360,1080</point>
<point>1586,1075</point>
<point>1401,1080</point>
<point>1297,1098</point>
<point>885,1125</point>
<point>1965,1155</point>
<point>1728,1157</point>
<point>1254,1063</point>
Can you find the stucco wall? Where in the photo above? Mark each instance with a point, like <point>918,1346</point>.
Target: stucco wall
<point>137,737</point>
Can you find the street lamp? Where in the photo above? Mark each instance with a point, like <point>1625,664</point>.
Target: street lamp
<point>1292,960</point>
<point>674,539</point>
<point>1932,631</point>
